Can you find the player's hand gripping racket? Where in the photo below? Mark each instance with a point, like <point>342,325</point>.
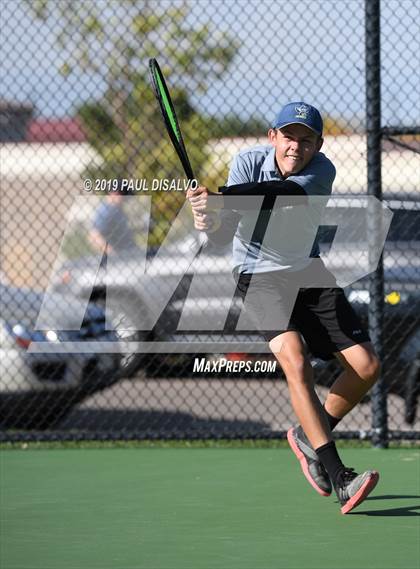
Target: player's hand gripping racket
<point>169,116</point>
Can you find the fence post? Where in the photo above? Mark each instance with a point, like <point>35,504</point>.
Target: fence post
<point>374,187</point>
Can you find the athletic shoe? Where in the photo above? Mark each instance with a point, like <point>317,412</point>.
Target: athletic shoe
<point>352,488</point>
<point>312,467</point>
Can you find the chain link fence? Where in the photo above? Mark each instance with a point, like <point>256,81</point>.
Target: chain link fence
<point>78,120</point>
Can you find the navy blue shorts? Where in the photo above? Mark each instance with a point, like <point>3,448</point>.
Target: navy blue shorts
<point>323,316</point>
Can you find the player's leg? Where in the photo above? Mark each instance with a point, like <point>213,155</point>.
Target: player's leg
<point>292,357</point>
<point>351,488</point>
<point>361,370</point>
<point>330,326</point>
<point>312,442</point>
<point>317,448</point>
<point>290,352</point>
<point>266,303</point>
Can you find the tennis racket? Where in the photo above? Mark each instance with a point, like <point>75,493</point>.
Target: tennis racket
<point>268,189</point>
<point>169,116</point>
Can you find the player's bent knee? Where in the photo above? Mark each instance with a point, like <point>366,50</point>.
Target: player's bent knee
<point>295,366</point>
<point>291,356</point>
<point>276,344</point>
<point>372,370</point>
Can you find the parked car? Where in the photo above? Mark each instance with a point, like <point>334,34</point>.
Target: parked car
<point>133,294</point>
<point>37,389</point>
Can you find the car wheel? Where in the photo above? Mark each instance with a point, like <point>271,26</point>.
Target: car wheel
<point>412,391</point>
<point>35,410</point>
<point>124,313</point>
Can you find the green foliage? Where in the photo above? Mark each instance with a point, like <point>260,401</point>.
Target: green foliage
<point>114,45</point>
<point>95,118</point>
<point>76,245</point>
<point>335,127</point>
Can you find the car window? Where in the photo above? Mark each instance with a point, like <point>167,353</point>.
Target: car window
<point>405,226</point>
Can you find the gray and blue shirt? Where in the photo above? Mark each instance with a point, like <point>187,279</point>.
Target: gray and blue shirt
<point>112,223</point>
<point>289,236</point>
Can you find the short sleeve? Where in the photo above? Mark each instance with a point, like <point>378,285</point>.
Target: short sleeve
<point>240,171</point>
<point>101,219</point>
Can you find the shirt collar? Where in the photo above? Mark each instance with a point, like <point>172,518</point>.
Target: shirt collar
<point>269,164</point>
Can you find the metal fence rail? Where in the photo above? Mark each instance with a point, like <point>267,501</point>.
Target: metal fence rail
<point>78,119</point>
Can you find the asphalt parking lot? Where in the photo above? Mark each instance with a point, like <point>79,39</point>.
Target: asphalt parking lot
<point>213,406</point>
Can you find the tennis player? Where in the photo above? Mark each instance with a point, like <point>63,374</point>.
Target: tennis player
<point>322,321</point>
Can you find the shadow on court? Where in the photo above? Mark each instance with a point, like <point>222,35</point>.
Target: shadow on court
<point>408,511</point>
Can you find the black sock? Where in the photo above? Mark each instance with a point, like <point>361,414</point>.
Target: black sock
<point>328,455</point>
<point>332,421</point>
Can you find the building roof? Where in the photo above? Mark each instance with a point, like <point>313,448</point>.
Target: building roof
<point>44,161</point>
<point>56,130</point>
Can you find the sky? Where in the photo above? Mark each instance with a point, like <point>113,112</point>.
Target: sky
<point>289,50</point>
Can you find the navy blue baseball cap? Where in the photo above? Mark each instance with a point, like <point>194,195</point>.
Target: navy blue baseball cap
<point>299,113</point>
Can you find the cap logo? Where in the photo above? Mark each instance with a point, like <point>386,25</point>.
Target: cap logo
<point>302,112</point>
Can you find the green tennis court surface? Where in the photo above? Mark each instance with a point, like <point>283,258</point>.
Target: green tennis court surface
<point>201,509</point>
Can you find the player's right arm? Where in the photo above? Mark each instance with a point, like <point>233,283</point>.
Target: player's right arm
<point>220,224</point>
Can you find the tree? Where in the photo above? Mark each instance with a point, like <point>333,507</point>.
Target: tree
<point>113,42</point>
